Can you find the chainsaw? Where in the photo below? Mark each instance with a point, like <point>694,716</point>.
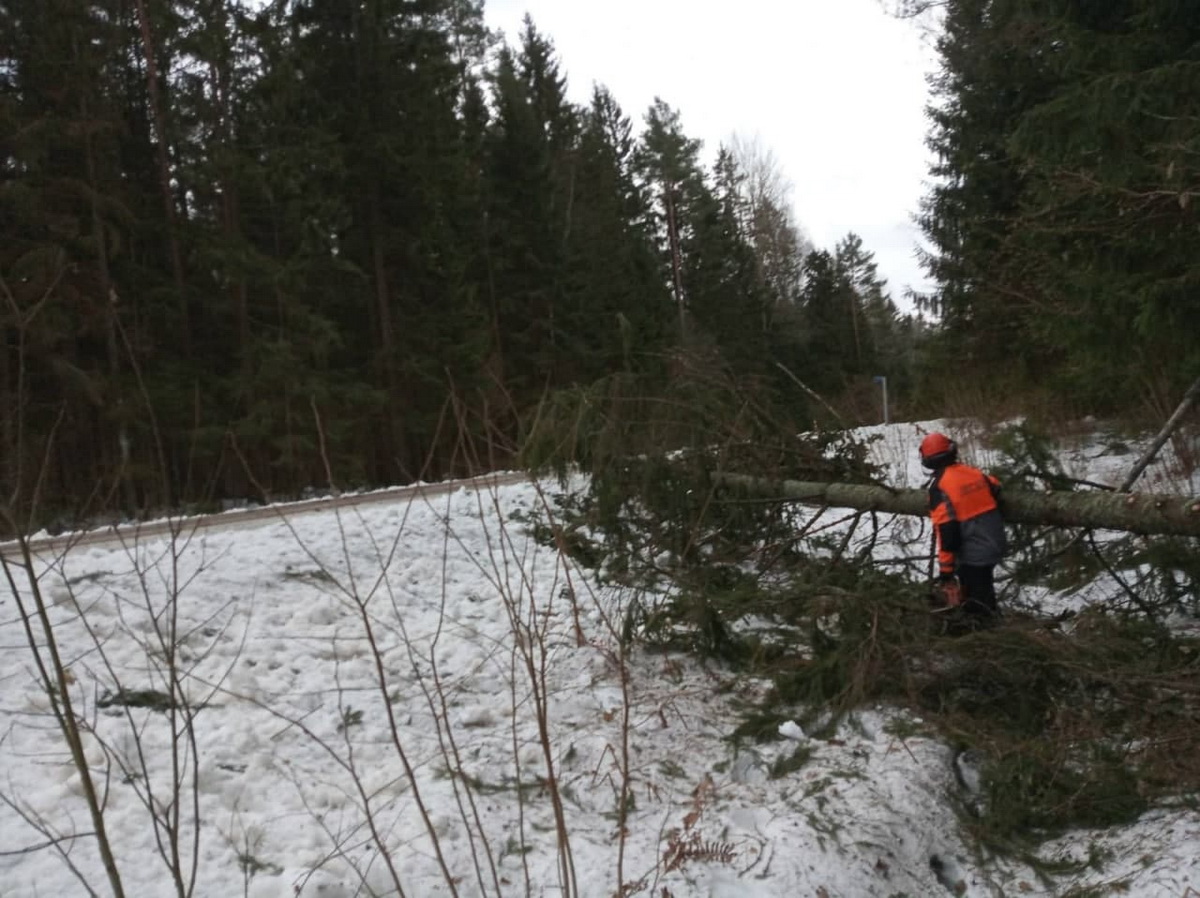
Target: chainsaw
<point>947,594</point>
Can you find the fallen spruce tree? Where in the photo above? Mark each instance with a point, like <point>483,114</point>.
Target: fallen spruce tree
<point>1141,513</point>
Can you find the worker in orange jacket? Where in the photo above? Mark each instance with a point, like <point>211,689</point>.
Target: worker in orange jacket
<point>969,526</point>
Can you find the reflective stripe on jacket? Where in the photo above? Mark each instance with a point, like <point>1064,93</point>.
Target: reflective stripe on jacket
<point>962,505</point>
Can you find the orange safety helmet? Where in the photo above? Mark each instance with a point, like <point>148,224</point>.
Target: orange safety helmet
<point>938,450</point>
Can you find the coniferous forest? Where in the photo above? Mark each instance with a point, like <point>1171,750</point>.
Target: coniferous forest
<point>1064,230</point>
<point>248,248</point>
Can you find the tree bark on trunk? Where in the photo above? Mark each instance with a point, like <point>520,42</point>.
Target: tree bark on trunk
<point>220,108</point>
<point>12,401</point>
<point>1132,512</point>
<point>115,452</point>
<point>164,173</point>
<point>676,260</point>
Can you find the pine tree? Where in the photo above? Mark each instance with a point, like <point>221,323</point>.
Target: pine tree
<point>705,256</point>
<point>667,164</point>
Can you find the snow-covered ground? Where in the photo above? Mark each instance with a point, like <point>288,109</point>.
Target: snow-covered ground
<point>417,698</point>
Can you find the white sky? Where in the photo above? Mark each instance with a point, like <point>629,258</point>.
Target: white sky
<point>835,88</point>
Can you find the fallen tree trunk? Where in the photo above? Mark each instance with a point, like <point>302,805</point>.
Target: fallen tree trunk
<point>1132,512</point>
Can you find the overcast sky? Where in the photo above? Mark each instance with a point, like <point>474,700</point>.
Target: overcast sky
<point>835,89</point>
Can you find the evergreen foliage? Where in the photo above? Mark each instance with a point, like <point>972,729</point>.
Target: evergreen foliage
<point>1062,222</point>
<point>245,248</point>
<point>1076,719</point>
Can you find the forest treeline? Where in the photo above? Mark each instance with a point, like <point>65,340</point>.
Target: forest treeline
<point>248,246</point>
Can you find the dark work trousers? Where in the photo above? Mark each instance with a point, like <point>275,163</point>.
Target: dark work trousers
<point>979,589</point>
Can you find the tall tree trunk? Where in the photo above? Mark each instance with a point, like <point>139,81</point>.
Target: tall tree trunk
<point>676,259</point>
<point>10,403</point>
<point>114,446</point>
<point>164,172</point>
<point>382,299</point>
<point>1133,512</point>
<point>232,231</point>
<point>852,301</point>
<point>393,437</point>
<point>221,110</point>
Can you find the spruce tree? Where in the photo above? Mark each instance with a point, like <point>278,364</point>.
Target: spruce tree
<point>1062,220</point>
<point>620,308</point>
<point>531,174</point>
<point>64,224</point>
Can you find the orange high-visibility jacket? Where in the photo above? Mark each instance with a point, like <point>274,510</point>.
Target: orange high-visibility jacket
<point>970,530</point>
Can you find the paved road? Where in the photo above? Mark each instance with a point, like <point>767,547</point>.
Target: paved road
<point>128,533</point>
